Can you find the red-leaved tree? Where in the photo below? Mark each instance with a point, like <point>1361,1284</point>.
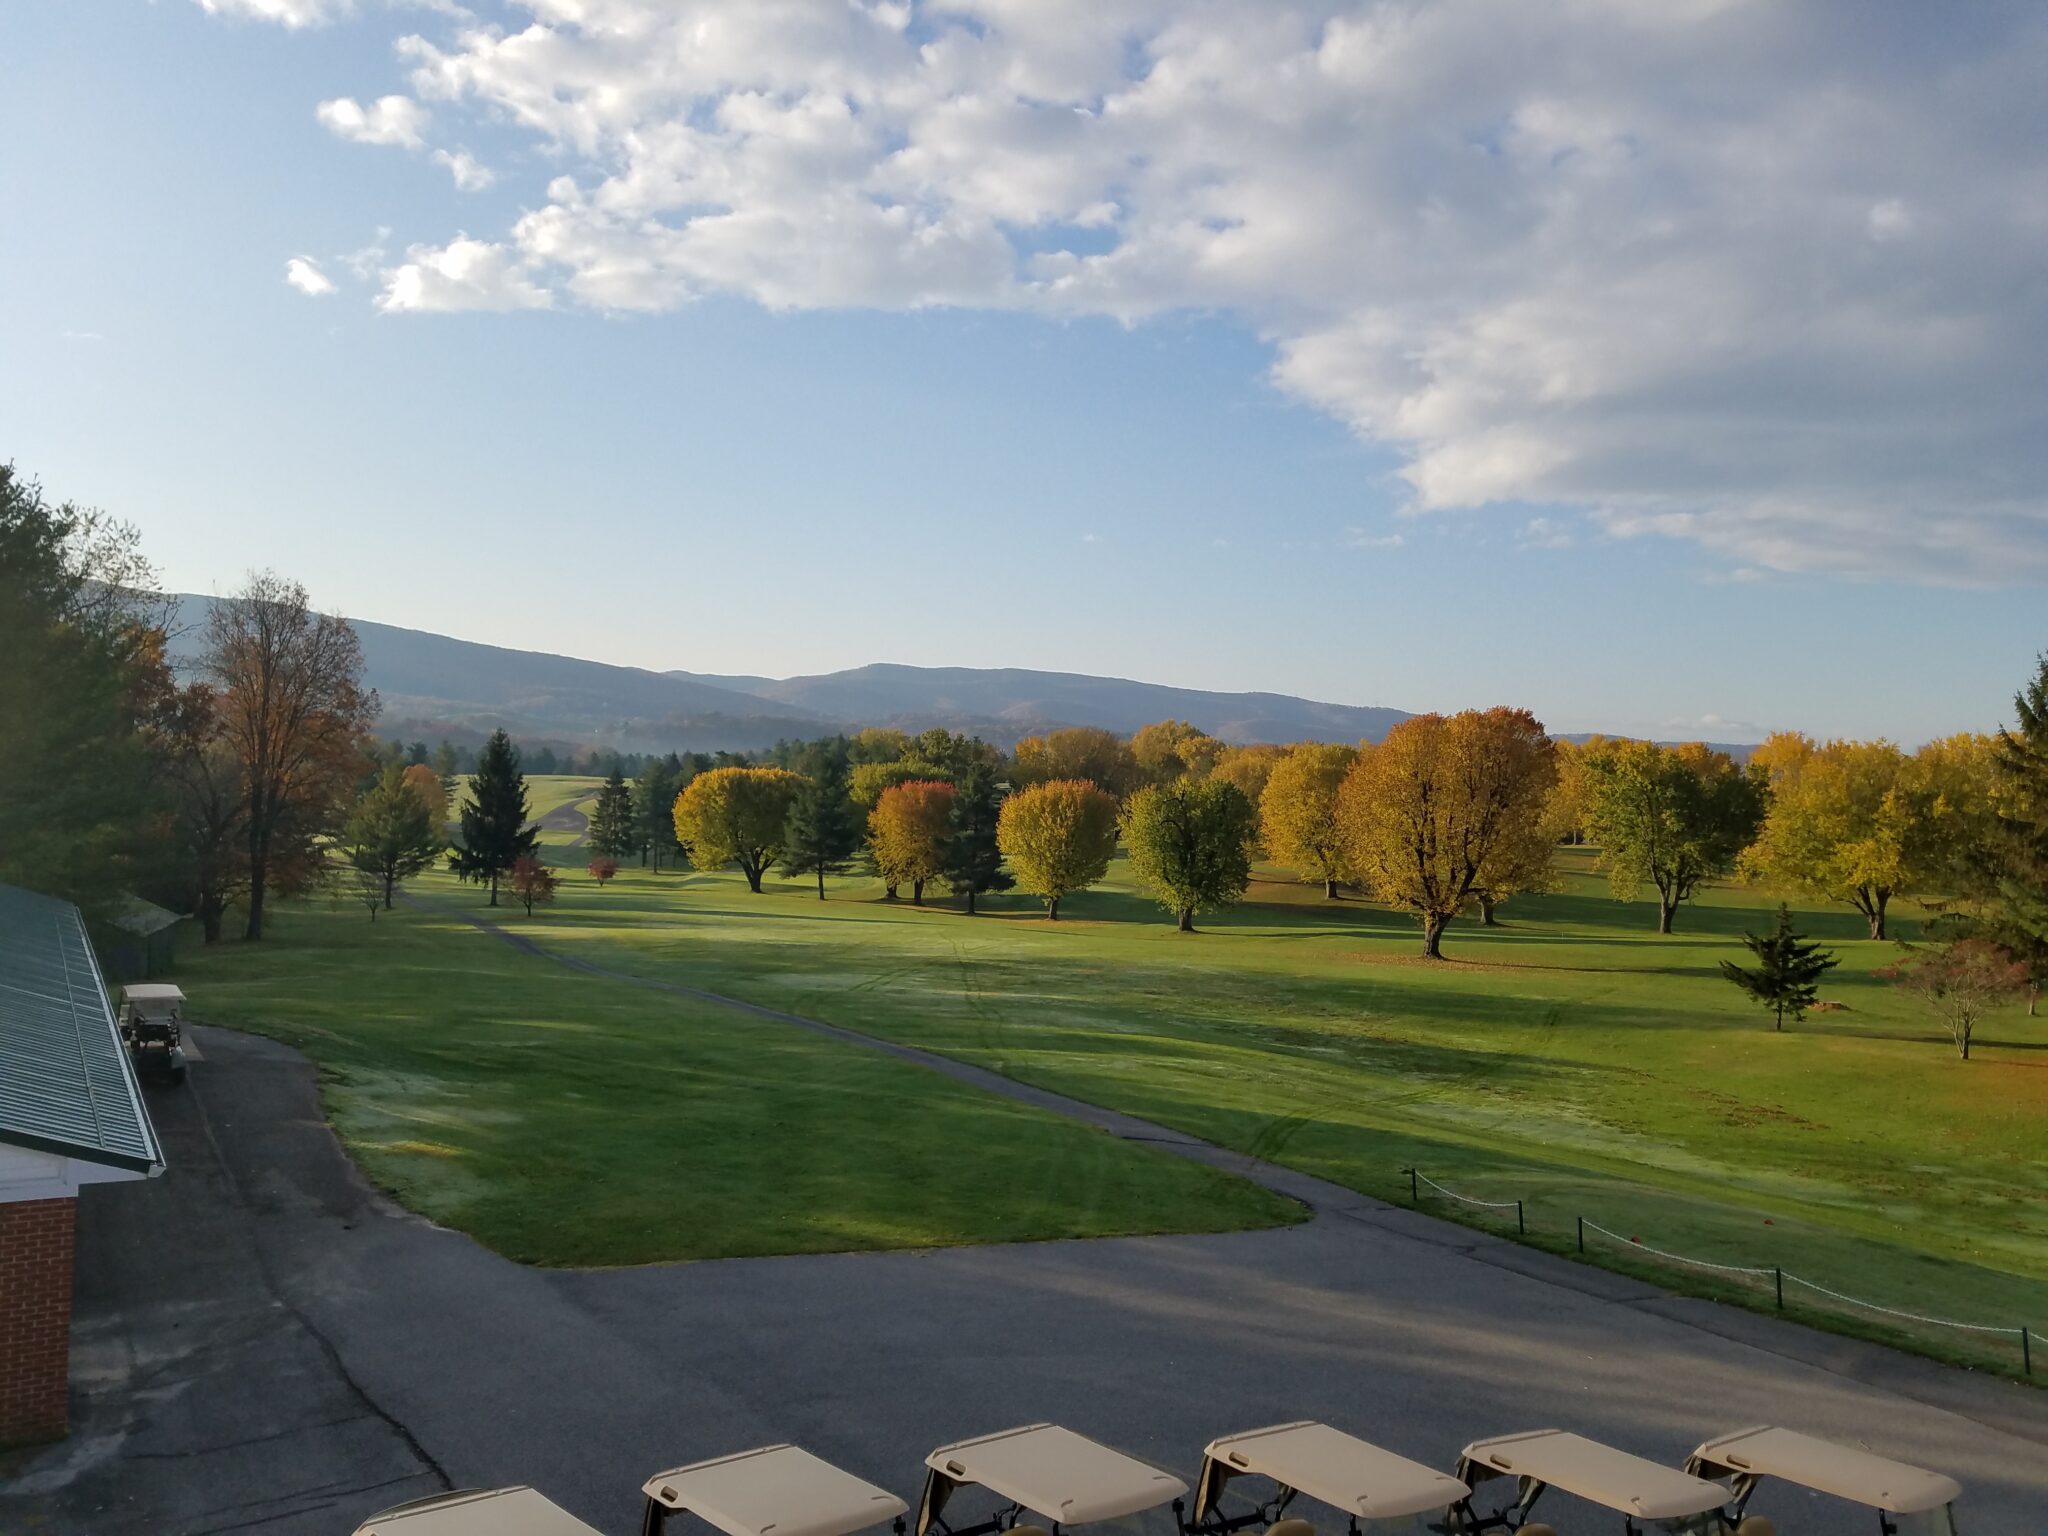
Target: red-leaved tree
<point>532,882</point>
<point>602,869</point>
<point>1961,982</point>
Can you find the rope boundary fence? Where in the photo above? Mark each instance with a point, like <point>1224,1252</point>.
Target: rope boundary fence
<point>1777,1274</point>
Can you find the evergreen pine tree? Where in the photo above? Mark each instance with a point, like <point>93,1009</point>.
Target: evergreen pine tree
<point>822,831</point>
<point>654,809</point>
<point>971,863</point>
<point>614,830</point>
<point>495,834</point>
<point>1786,977</point>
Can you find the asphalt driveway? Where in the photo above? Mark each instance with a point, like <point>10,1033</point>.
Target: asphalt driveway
<point>262,1344</point>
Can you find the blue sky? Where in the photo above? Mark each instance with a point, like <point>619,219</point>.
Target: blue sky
<point>994,338</point>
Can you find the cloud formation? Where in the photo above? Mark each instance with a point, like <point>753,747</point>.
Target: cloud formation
<point>393,120</point>
<point>1761,277</point>
<point>304,274</point>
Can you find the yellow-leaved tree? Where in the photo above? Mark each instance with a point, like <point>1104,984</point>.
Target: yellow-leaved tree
<point>1298,811</point>
<point>736,815</point>
<point>1173,749</point>
<point>1248,768</point>
<point>1082,752</point>
<point>1059,837</point>
<point>907,833</point>
<point>1447,807</point>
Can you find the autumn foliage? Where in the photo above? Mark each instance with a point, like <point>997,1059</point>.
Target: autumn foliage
<point>1298,811</point>
<point>1059,837</point>
<point>907,833</point>
<point>736,816</point>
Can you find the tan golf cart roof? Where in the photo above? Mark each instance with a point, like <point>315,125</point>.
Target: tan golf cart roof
<point>1597,1472</point>
<point>1339,1469</point>
<point>477,1512</point>
<point>1841,1470</point>
<point>778,1488</point>
<point>1067,1478</point>
<point>152,992</point>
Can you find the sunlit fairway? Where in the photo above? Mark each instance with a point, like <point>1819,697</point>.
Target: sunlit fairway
<point>1571,1058</point>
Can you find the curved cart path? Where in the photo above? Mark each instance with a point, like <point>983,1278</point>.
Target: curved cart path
<point>264,1344</point>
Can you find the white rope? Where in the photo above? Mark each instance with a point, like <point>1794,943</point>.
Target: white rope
<point>1911,1317</point>
<point>1677,1258</point>
<point>1491,1205</point>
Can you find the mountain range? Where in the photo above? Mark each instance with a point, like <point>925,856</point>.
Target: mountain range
<point>433,685</point>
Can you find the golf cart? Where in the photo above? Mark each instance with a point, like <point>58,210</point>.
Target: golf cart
<point>476,1512</point>
<point>1649,1498</point>
<point>1909,1500</point>
<point>1063,1478</point>
<point>1375,1490</point>
<point>778,1488</point>
<point>152,1027</point>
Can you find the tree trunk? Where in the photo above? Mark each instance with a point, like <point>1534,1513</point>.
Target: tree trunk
<point>1876,913</point>
<point>1184,920</point>
<point>917,893</point>
<point>209,924</point>
<point>1329,890</point>
<point>1433,925</point>
<point>1052,909</point>
<point>889,891</point>
<point>1666,910</point>
<point>821,882</point>
<point>390,882</point>
<point>1486,906</point>
<point>259,858</point>
<point>494,887</point>
<point>970,901</point>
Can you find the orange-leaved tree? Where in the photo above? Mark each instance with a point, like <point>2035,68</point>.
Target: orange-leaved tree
<point>907,833</point>
<point>1447,807</point>
<point>1059,837</point>
<point>424,782</point>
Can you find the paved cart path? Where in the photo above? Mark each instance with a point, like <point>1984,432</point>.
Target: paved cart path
<point>264,1344</point>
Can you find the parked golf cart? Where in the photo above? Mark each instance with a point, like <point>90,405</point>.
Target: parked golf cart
<point>1909,1501</point>
<point>1063,1478</point>
<point>476,1512</point>
<point>1648,1497</point>
<point>152,1027</point>
<point>778,1488</point>
<point>1375,1490</point>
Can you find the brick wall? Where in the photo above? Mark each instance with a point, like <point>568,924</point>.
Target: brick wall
<point>35,1318</point>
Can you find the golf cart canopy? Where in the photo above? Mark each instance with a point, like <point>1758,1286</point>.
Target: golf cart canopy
<point>778,1489</point>
<point>475,1512</point>
<point>154,996</point>
<point>1328,1465</point>
<point>1825,1467</point>
<point>1058,1475</point>
<point>1598,1473</point>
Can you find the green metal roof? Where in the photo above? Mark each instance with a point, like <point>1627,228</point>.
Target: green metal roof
<point>65,1083</point>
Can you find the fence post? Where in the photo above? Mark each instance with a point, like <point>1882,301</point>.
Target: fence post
<point>2026,1351</point>
<point>1582,1234</point>
<point>1778,1274</point>
<point>1414,1190</point>
<point>1521,1226</point>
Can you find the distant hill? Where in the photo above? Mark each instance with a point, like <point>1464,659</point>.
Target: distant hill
<point>1008,702</point>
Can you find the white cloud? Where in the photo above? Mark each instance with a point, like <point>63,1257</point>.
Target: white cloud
<point>1358,538</point>
<point>391,120</point>
<point>463,274</point>
<point>304,274</point>
<point>290,13</point>
<point>470,174</point>
<point>1764,278</point>
<point>1545,533</point>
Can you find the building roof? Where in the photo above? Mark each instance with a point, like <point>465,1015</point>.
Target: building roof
<point>65,1083</point>
<point>778,1489</point>
<point>143,918</point>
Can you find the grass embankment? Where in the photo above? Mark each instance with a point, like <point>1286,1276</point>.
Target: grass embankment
<point>563,1119</point>
<point>1572,1059</point>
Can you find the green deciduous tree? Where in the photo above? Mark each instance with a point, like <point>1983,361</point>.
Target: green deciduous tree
<point>1673,817</point>
<point>495,826</point>
<point>1788,969</point>
<point>823,829</point>
<point>970,859</point>
<point>654,809</point>
<point>1059,837</point>
<point>1190,845</point>
<point>1298,812</point>
<point>736,816</point>
<point>614,830</point>
<point>392,834</point>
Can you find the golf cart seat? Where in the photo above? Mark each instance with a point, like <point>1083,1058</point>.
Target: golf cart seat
<point>1290,1527</point>
<point>517,1511</point>
<point>1029,1530</point>
<point>778,1488</point>
<point>1757,1525</point>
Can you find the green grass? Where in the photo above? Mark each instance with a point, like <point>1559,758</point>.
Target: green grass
<point>562,1119</point>
<point>1572,1059</point>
